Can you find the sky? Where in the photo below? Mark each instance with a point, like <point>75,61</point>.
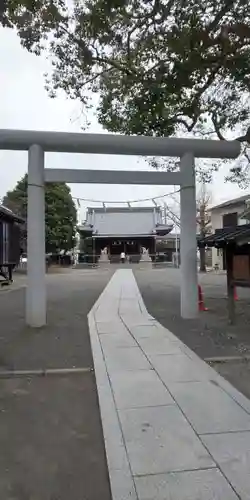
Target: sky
<point>24,104</point>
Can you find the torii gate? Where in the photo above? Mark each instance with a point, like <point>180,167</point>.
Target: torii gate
<point>37,143</point>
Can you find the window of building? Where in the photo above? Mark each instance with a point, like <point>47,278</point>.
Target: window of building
<point>230,220</point>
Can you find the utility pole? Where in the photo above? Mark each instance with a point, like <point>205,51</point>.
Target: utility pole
<point>177,223</point>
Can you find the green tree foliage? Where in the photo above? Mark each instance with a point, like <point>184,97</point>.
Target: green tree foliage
<point>157,67</point>
<point>34,20</point>
<point>60,212</point>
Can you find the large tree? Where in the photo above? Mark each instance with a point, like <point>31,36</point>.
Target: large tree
<point>60,212</point>
<point>33,19</point>
<point>157,67</point>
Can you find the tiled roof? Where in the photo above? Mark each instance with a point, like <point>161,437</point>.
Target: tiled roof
<point>8,214</point>
<point>227,235</point>
<point>116,209</point>
<point>234,201</point>
<point>118,221</point>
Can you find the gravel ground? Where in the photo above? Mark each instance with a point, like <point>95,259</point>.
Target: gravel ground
<point>64,342</point>
<point>51,441</point>
<point>210,335</point>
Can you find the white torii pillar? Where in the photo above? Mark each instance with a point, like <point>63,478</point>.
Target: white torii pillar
<point>188,240</point>
<point>36,286</point>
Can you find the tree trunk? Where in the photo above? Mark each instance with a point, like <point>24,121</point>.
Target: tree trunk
<point>202,234</point>
<point>203,268</point>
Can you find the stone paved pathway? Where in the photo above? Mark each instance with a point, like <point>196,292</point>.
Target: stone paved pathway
<point>173,428</point>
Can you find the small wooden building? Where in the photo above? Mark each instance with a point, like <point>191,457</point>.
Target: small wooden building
<point>11,227</point>
<point>234,241</point>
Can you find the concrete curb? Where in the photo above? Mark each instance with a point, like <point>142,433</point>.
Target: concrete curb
<point>120,475</point>
<point>43,373</point>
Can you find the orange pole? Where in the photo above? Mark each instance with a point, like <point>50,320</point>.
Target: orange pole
<point>201,300</point>
<point>235,294</point>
